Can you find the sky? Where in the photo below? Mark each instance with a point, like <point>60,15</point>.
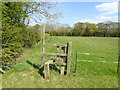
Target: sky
<point>93,12</point>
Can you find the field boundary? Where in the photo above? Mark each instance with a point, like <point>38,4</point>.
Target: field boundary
<point>97,61</point>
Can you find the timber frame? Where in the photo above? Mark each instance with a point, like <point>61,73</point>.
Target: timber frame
<point>64,54</point>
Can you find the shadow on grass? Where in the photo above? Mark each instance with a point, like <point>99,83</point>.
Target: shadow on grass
<point>53,67</point>
<point>40,69</point>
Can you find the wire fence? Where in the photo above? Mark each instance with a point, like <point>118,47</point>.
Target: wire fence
<point>97,61</point>
<point>103,55</point>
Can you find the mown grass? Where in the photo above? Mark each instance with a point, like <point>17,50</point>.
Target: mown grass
<point>26,74</point>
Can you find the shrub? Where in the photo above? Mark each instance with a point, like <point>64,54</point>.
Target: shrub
<point>47,36</point>
<point>15,41</point>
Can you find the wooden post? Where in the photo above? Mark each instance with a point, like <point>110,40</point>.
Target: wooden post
<point>62,70</point>
<point>46,69</point>
<point>118,68</point>
<point>69,47</point>
<point>2,70</point>
<point>75,63</point>
<point>63,51</point>
<point>42,45</point>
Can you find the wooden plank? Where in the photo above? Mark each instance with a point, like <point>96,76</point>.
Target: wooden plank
<point>2,70</point>
<point>46,71</point>
<point>58,54</point>
<point>62,70</point>
<point>42,45</point>
<point>68,56</point>
<point>60,63</point>
<point>49,62</point>
<point>63,45</point>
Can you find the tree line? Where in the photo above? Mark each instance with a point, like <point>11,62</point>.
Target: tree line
<point>102,29</point>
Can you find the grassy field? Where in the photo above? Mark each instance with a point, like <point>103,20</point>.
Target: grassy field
<point>25,73</point>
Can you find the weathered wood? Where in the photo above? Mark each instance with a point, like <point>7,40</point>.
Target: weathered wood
<point>63,52</point>
<point>118,68</point>
<point>2,70</point>
<point>42,45</point>
<point>62,70</point>
<point>46,69</point>
<point>69,47</point>
<point>63,45</point>
<point>76,62</point>
<point>62,63</point>
<point>49,62</point>
<point>56,54</point>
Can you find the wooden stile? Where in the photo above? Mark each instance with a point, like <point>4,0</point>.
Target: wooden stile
<point>63,56</point>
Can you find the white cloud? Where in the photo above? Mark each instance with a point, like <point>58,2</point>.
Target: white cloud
<point>108,8</point>
<point>88,20</point>
<point>106,18</point>
<point>108,12</point>
<point>98,19</point>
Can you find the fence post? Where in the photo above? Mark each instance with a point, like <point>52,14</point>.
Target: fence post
<point>46,71</point>
<point>75,63</point>
<point>118,68</point>
<point>69,47</point>
<point>62,70</point>
<point>42,45</point>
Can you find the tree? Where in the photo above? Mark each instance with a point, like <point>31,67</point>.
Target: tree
<point>15,19</point>
<point>79,29</point>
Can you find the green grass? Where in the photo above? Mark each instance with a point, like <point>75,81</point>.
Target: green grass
<point>89,74</point>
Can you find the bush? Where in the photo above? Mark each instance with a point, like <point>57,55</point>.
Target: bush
<point>14,40</point>
<point>47,36</point>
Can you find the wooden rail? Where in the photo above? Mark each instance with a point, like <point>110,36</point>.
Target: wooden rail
<point>56,54</point>
<point>62,45</point>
